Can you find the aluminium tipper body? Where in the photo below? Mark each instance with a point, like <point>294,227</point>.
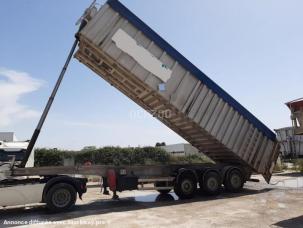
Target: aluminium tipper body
<point>128,54</point>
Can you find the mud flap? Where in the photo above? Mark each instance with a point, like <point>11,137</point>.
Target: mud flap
<point>112,179</point>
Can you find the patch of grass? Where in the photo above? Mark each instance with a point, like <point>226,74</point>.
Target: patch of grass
<point>279,167</point>
<point>298,165</point>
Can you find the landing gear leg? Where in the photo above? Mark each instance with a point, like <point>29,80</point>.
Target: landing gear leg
<point>115,196</point>
<point>105,191</point>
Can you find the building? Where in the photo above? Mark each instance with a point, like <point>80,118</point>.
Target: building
<point>291,144</point>
<point>180,149</point>
<point>296,108</point>
<point>7,137</point>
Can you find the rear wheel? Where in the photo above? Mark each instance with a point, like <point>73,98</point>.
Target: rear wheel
<point>61,197</point>
<point>185,186</point>
<point>210,183</point>
<point>234,181</point>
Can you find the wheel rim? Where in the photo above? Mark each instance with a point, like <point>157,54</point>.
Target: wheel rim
<point>235,181</point>
<point>212,184</point>
<point>61,198</point>
<point>187,186</point>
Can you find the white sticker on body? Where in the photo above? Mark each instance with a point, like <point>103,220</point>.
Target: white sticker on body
<point>129,45</point>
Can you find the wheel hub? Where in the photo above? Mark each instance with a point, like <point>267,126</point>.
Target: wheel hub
<point>187,186</point>
<point>212,184</point>
<point>235,181</point>
<point>61,198</point>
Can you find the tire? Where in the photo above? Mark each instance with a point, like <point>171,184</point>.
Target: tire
<point>210,183</point>
<point>61,197</point>
<point>185,186</point>
<point>234,181</point>
<point>162,191</point>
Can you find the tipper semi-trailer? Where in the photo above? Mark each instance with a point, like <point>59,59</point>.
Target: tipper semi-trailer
<point>124,51</point>
<point>127,53</point>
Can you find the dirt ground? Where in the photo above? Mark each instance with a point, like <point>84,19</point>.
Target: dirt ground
<point>279,204</point>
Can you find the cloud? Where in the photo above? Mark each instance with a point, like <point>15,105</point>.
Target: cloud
<point>14,85</point>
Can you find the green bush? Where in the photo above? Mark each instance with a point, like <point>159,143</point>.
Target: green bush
<point>114,156</point>
<point>48,157</point>
<point>190,159</point>
<point>105,156</point>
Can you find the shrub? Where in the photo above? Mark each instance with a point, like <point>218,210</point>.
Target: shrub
<point>114,156</point>
<point>48,157</point>
<point>190,159</point>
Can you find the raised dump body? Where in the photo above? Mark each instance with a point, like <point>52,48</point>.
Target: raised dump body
<point>128,54</point>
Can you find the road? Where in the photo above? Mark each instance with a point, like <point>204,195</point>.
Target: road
<point>258,205</point>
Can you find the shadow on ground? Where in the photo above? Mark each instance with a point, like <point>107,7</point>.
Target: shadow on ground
<point>98,207</point>
<point>291,223</point>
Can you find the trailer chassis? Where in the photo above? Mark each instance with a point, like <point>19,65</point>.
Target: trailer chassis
<point>184,179</point>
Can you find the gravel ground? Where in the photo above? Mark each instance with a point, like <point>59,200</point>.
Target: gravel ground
<point>258,205</point>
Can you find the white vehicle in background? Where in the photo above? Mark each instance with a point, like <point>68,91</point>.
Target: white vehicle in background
<point>13,145</point>
<point>14,151</point>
